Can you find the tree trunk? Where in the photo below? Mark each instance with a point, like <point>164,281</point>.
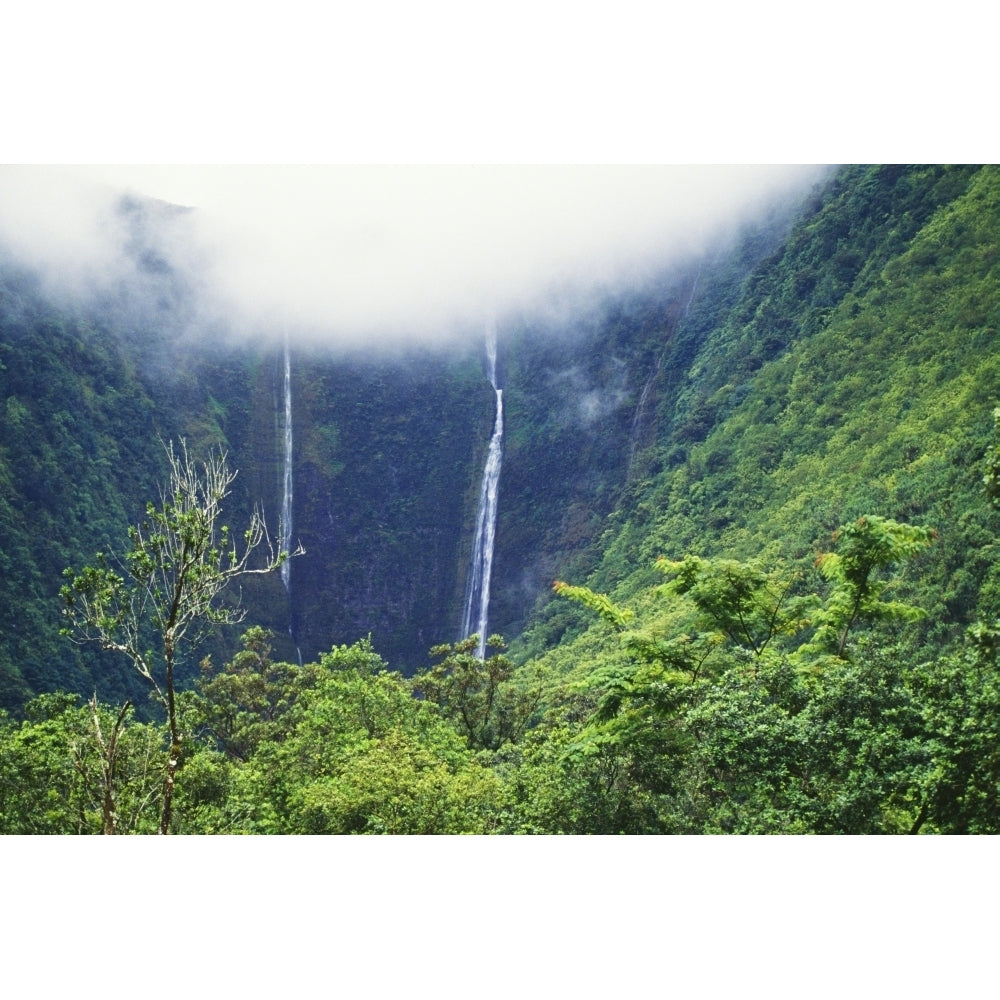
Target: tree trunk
<point>174,757</point>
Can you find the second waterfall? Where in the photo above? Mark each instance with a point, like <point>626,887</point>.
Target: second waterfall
<point>477,591</point>
<point>285,521</point>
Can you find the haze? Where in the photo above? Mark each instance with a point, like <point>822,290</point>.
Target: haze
<point>361,254</point>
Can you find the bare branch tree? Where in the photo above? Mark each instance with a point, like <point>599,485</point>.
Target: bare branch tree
<point>171,579</point>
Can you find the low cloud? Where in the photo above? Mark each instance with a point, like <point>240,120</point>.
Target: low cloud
<point>585,401</point>
<point>377,254</point>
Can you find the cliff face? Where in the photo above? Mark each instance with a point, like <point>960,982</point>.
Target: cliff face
<point>384,457</point>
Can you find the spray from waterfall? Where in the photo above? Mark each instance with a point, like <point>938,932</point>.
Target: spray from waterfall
<point>477,591</point>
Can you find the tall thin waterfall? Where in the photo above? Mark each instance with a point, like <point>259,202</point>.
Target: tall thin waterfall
<point>477,591</point>
<point>640,414</point>
<point>285,522</point>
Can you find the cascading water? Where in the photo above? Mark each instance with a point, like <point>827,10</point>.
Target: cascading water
<point>477,591</point>
<point>638,419</point>
<point>285,522</point>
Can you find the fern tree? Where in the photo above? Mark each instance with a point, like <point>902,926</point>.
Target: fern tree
<point>866,550</point>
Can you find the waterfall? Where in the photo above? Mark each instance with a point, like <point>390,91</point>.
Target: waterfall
<point>285,522</point>
<point>477,591</point>
<point>638,419</point>
<point>491,354</point>
<point>694,288</point>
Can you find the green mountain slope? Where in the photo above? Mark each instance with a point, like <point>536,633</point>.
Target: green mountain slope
<point>856,375</point>
<point>69,476</point>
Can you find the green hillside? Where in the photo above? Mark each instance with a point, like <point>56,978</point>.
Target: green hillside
<point>732,680</point>
<point>856,375</point>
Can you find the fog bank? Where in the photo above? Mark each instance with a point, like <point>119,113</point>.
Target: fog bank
<point>359,255</point>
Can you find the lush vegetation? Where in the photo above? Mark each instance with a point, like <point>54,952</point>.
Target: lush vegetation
<point>765,708</point>
<point>768,490</point>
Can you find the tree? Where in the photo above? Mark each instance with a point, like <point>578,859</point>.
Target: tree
<point>742,601</point>
<point>959,698</point>
<point>245,702</point>
<point>991,472</point>
<point>40,789</point>
<point>357,753</point>
<point>865,548</point>
<point>171,579</point>
<point>118,764</point>
<point>479,695</point>
<point>708,745</point>
<point>70,768</point>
